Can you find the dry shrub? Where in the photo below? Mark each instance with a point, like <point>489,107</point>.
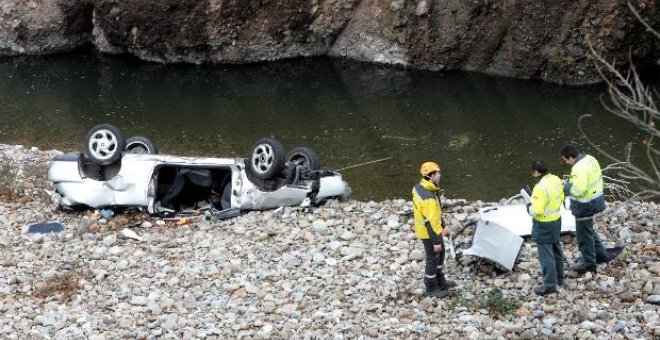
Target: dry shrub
<point>37,175</point>
<point>7,180</point>
<point>66,284</point>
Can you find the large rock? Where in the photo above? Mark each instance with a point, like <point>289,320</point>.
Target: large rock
<point>44,26</point>
<point>546,40</point>
<point>234,31</point>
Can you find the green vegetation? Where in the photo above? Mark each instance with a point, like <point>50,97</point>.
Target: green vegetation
<point>497,305</point>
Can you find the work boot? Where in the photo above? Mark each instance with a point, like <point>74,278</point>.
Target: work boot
<point>612,253</point>
<point>432,289</point>
<point>582,268</point>
<point>438,293</point>
<point>445,284</point>
<point>541,290</point>
<point>599,260</point>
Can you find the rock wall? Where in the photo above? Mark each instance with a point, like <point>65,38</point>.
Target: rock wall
<point>215,31</point>
<point>44,26</point>
<point>539,39</point>
<point>545,39</point>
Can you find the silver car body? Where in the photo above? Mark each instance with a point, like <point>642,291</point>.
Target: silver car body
<point>135,184</point>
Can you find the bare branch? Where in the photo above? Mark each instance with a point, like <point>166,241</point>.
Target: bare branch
<point>639,17</point>
<point>631,100</point>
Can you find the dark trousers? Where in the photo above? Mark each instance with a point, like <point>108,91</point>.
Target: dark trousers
<point>551,258</point>
<point>588,242</point>
<point>434,263</point>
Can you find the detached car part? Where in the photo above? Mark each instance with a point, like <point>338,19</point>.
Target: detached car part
<point>500,230</point>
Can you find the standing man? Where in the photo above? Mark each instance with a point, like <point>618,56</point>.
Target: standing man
<point>585,186</point>
<point>545,205</point>
<point>429,228</point>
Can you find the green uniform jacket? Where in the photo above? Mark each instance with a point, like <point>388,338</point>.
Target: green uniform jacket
<point>586,187</point>
<point>547,198</point>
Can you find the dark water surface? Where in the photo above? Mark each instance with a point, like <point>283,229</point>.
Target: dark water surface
<point>484,131</point>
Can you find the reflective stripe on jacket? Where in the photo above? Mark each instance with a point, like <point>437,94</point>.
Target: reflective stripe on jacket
<point>426,209</point>
<point>547,198</point>
<point>586,182</point>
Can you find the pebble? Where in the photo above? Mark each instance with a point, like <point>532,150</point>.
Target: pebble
<point>417,255</point>
<point>139,301</point>
<point>653,299</point>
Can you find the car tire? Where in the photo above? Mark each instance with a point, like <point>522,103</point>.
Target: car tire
<point>141,145</point>
<point>104,144</point>
<point>304,156</point>
<point>266,159</point>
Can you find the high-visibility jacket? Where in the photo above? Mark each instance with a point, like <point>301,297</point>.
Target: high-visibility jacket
<point>547,197</point>
<point>427,211</point>
<point>586,182</point>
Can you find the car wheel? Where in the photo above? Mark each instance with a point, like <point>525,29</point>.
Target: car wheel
<point>104,144</point>
<point>304,156</point>
<point>266,158</point>
<point>141,145</point>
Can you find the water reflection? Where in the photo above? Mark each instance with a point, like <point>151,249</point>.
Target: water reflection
<point>484,131</point>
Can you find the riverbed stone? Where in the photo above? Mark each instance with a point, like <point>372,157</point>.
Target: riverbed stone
<point>206,280</point>
<point>653,299</point>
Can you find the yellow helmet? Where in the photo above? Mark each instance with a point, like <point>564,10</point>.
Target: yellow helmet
<point>428,167</point>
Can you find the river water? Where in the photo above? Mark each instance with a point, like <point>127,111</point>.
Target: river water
<point>485,131</point>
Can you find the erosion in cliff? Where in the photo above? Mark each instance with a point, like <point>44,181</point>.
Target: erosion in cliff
<point>547,40</point>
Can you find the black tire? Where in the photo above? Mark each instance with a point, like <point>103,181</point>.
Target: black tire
<point>266,159</point>
<point>141,145</point>
<point>104,144</point>
<point>304,156</point>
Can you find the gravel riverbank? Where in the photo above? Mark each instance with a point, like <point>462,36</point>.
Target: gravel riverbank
<point>343,270</point>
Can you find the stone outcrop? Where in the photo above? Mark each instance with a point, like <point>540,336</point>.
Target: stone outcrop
<point>547,40</point>
<point>213,31</point>
<point>30,27</point>
<point>534,40</point>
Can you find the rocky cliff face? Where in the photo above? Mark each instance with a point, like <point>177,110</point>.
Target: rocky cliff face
<point>544,39</point>
<point>540,39</point>
<point>44,26</point>
<point>216,31</point>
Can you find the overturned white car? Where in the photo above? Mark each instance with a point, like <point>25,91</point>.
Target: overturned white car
<point>117,173</point>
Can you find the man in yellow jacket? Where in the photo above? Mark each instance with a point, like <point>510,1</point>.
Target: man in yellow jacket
<point>546,200</point>
<point>427,212</point>
<point>585,187</point>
